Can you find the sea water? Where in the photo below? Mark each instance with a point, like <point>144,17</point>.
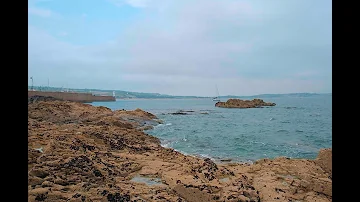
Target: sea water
<point>297,127</point>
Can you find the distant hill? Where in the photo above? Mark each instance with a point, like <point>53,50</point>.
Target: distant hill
<point>119,94</point>
<point>276,95</point>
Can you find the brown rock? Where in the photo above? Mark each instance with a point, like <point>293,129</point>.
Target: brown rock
<point>35,181</point>
<point>191,194</point>
<point>47,184</point>
<point>243,198</point>
<point>38,173</point>
<point>324,160</point>
<point>39,191</point>
<point>92,154</point>
<point>238,103</point>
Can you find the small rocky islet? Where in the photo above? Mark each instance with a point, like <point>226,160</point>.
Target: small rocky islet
<point>238,103</point>
<point>78,152</point>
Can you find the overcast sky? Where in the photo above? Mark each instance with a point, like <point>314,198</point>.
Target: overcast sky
<point>182,47</point>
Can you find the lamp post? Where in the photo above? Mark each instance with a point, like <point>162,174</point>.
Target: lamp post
<point>32,83</point>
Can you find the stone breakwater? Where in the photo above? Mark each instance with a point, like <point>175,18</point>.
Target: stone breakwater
<point>238,103</point>
<point>71,96</point>
<point>78,152</point>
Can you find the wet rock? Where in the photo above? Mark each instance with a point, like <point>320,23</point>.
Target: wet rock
<point>179,113</point>
<point>182,112</point>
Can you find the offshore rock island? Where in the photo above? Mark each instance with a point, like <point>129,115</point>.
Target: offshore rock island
<point>78,152</point>
<point>238,103</point>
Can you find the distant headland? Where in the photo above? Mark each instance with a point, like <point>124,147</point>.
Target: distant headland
<point>121,94</point>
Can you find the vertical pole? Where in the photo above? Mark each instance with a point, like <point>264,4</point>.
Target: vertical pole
<point>32,83</point>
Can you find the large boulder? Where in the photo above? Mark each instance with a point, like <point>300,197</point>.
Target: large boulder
<point>324,160</point>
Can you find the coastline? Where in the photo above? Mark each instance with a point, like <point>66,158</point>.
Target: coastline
<point>79,152</point>
<point>163,98</point>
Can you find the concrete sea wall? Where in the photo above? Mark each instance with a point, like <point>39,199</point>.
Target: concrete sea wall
<point>73,96</point>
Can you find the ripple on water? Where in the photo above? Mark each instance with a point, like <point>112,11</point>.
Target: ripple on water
<point>242,135</point>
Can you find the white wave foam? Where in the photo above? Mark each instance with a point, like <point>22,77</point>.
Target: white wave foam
<point>206,156</point>
<point>259,143</point>
<point>182,152</point>
<point>166,145</point>
<point>159,125</point>
<point>162,125</point>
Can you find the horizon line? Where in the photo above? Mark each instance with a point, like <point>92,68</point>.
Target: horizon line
<point>184,95</point>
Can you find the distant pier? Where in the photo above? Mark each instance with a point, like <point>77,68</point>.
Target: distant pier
<point>73,96</point>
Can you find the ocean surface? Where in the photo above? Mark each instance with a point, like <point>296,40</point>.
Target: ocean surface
<point>297,127</point>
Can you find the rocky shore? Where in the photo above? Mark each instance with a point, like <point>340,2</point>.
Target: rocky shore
<point>238,103</point>
<point>78,152</point>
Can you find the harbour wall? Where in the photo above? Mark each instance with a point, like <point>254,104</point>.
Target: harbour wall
<point>73,96</point>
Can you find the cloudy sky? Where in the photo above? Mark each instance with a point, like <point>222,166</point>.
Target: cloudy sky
<point>182,47</point>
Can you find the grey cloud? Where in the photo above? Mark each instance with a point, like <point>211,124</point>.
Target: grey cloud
<point>185,47</point>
